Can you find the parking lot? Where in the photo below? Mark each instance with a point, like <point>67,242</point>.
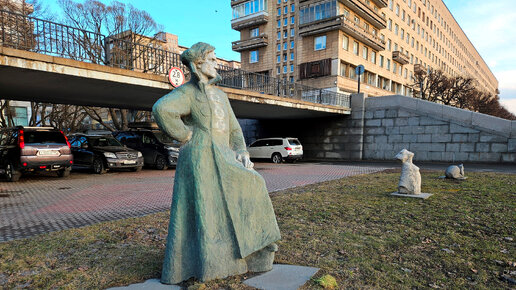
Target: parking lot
<point>44,203</point>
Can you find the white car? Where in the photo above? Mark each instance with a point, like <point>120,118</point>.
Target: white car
<point>276,149</point>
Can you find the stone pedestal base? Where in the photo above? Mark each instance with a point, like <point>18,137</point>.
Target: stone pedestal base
<point>421,195</point>
<point>281,277</point>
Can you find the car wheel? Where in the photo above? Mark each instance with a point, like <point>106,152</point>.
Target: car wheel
<point>12,174</point>
<point>64,172</point>
<point>276,158</point>
<point>161,163</point>
<point>136,169</point>
<point>98,166</point>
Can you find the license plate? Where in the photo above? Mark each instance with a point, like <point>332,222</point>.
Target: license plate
<point>47,152</point>
<point>129,162</point>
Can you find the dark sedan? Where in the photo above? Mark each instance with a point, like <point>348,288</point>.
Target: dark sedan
<point>99,153</point>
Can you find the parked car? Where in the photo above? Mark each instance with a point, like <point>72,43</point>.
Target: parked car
<point>29,149</point>
<point>159,150</point>
<point>276,149</point>
<point>103,152</point>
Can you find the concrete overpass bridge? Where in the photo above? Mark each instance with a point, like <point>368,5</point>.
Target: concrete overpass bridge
<point>118,73</point>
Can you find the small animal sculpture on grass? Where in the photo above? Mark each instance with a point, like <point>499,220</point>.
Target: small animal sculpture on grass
<point>455,172</point>
<point>410,179</point>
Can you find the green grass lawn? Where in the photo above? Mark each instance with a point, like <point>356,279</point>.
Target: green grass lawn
<point>462,237</point>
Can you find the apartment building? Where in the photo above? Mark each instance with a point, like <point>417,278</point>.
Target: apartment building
<point>320,43</point>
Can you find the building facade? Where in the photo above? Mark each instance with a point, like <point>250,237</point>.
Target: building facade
<point>319,43</point>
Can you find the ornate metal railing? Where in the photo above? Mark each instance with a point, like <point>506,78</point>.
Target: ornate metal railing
<point>51,38</point>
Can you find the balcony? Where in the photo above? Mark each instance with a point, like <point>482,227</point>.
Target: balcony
<point>342,23</point>
<point>251,43</point>
<point>380,3</point>
<point>250,20</point>
<point>236,2</point>
<point>418,68</point>
<point>363,10</point>
<point>366,12</point>
<point>400,57</point>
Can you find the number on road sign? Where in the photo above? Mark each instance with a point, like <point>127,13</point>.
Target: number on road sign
<point>176,77</point>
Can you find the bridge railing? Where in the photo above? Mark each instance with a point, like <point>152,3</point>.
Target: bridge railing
<point>239,79</point>
<point>51,38</point>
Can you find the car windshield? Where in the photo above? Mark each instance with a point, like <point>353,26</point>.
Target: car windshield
<point>103,141</point>
<point>34,137</point>
<point>164,138</point>
<point>293,142</point>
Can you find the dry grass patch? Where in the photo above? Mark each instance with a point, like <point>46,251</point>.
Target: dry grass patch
<point>462,237</point>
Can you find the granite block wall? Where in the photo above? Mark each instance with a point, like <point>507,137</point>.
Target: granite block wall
<point>435,132</point>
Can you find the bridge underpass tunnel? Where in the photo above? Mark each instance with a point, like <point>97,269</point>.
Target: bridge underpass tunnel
<point>333,138</point>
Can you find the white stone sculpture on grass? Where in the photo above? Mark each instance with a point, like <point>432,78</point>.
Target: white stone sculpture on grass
<point>455,172</point>
<point>410,179</point>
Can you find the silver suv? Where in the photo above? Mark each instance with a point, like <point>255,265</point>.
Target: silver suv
<point>276,149</point>
<point>28,149</point>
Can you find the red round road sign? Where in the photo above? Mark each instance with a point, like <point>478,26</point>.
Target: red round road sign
<point>176,77</point>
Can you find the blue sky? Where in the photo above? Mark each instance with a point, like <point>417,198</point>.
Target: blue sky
<point>487,24</point>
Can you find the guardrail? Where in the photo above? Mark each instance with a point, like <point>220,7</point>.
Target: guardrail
<point>51,38</point>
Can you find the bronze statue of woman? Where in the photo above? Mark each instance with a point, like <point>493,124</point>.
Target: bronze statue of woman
<point>221,221</point>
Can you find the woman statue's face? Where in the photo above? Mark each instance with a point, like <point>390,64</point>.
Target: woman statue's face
<point>208,67</point>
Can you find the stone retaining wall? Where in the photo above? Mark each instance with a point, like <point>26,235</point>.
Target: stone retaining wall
<point>435,132</point>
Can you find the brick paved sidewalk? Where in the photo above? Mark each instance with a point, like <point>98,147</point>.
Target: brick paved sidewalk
<point>44,203</point>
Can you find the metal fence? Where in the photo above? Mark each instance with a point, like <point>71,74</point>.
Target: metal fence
<point>47,37</point>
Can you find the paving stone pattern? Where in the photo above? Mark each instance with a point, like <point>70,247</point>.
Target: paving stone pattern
<point>44,203</point>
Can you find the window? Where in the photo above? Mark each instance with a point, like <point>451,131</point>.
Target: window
<point>285,10</point>
<point>279,23</point>
<point>278,60</point>
<point>321,10</point>
<point>291,68</point>
<point>291,56</point>
<point>355,47</point>
<point>364,52</point>
<point>292,9</point>
<point>345,42</point>
<point>255,32</point>
<point>279,47</point>
<point>284,57</point>
<point>292,32</point>
<point>279,35</point>
<point>284,69</point>
<point>292,20</point>
<point>279,11</point>
<point>249,7</point>
<point>396,28</point>
<point>388,44</point>
<point>253,56</point>
<point>285,33</point>
<point>389,24</point>
<point>394,67</point>
<point>373,57</point>
<point>381,60</point>
<point>320,42</point>
<point>285,21</point>
<point>285,46</point>
<point>388,67</point>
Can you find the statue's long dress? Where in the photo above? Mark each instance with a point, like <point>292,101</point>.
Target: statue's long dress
<point>221,212</point>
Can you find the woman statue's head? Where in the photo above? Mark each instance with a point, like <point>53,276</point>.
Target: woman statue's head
<point>201,60</point>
